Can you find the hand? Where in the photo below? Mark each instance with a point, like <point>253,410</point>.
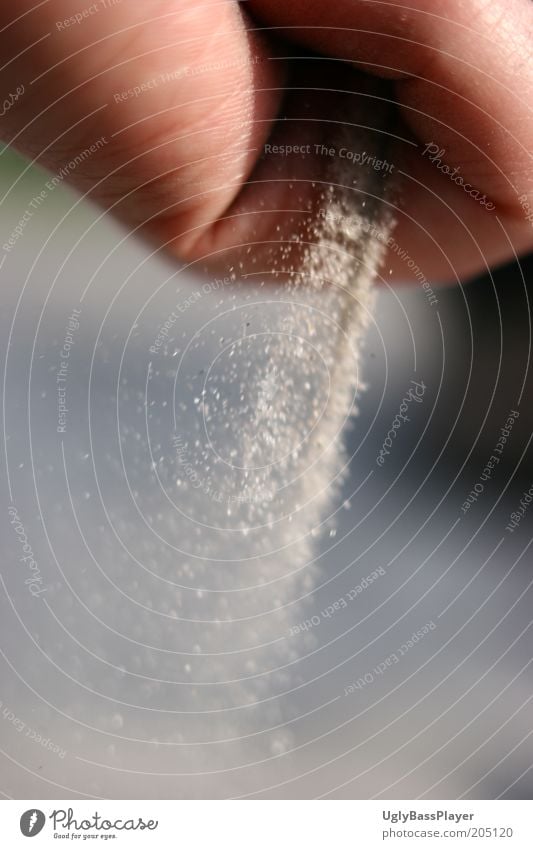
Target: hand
<point>186,94</point>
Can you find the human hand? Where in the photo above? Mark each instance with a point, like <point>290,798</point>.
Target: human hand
<point>186,94</point>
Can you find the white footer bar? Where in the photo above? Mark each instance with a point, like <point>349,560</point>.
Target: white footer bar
<point>268,824</point>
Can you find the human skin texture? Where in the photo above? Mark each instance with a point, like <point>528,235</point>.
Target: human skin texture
<point>183,160</point>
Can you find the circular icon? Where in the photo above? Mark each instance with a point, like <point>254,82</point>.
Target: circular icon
<point>32,822</point>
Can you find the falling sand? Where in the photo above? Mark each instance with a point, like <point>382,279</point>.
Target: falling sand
<point>259,477</point>
<point>233,458</point>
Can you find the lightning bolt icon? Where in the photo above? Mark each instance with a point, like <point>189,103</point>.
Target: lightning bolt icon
<point>33,820</point>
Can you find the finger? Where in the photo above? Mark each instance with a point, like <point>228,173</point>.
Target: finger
<point>463,79</point>
<point>463,72</point>
<point>182,94</point>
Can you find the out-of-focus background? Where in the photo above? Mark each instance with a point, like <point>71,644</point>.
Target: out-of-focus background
<point>401,669</point>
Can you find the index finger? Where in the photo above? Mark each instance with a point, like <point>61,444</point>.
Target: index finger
<point>463,74</point>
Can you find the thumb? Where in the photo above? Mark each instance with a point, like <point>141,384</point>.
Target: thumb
<point>156,109</point>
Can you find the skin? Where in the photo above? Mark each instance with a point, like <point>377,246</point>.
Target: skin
<point>182,160</point>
